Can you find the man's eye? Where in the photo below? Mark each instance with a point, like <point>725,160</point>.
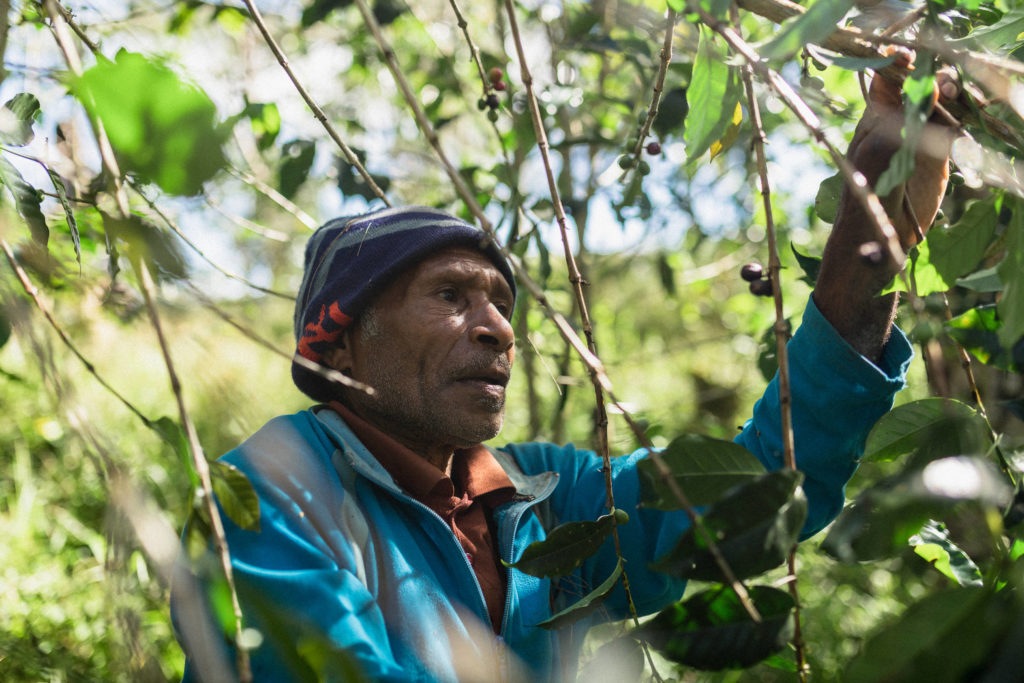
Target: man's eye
<point>448,294</point>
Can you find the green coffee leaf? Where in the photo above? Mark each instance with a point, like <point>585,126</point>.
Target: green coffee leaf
<point>935,427</point>
<point>957,250</point>
<point>811,265</point>
<point>27,201</point>
<point>977,330</point>
<point>942,638</point>
<point>713,631</point>
<point>1011,273</point>
<point>236,495</point>
<point>703,467</point>
<point>16,118</point>
<point>934,545</point>
<point>754,526</point>
<point>296,162</point>
<point>565,548</point>
<point>711,96</point>
<point>586,605</point>
<point>826,201</point>
<point>162,129</point>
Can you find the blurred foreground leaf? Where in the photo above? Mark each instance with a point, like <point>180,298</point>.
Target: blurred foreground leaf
<point>884,518</point>
<point>236,495</point>
<point>941,638</point>
<point>712,630</point>
<point>977,330</point>
<point>162,129</point>
<point>754,527</point>
<point>703,467</point>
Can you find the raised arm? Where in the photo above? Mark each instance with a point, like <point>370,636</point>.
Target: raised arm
<point>855,267</point>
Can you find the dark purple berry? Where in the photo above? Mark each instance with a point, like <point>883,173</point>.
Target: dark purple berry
<point>653,148</point>
<point>751,272</point>
<point>871,253</point>
<point>761,287</point>
<point>492,101</point>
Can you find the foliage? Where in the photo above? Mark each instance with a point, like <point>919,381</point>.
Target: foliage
<point>222,164</point>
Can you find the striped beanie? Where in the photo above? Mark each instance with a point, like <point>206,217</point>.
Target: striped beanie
<point>350,260</point>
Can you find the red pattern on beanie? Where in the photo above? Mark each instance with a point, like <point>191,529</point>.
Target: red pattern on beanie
<point>319,334</point>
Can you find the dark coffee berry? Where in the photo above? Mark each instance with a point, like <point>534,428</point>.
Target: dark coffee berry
<point>492,116</point>
<point>499,85</point>
<point>481,104</point>
<point>654,148</point>
<point>492,101</point>
<point>761,287</point>
<point>752,272</point>
<point>871,253</point>
<point>495,74</point>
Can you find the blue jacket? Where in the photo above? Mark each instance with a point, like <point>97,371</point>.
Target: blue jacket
<point>350,571</point>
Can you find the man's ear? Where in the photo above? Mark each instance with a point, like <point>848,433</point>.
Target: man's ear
<point>339,356</point>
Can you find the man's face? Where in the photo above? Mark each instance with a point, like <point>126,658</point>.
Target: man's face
<point>437,347</point>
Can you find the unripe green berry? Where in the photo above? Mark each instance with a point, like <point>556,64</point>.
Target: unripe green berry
<point>492,116</point>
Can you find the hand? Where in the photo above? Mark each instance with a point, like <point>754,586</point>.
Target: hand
<point>852,273</point>
<point>911,206</point>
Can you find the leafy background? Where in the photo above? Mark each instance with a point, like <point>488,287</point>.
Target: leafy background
<point>228,171</point>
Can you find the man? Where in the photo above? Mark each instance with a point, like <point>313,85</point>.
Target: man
<point>383,519</point>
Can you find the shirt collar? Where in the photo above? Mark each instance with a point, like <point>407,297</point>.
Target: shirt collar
<point>475,470</point>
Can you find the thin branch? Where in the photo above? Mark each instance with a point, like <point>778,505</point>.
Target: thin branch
<point>781,332</point>
<point>575,280</point>
<point>245,223</point>
<point>198,457</point>
<point>659,84</point>
<point>33,293</point>
<point>322,370</point>
<point>318,113</point>
<point>275,196</point>
<point>223,271</point>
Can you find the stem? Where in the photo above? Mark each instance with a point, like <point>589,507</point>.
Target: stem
<point>275,196</point>
<point>575,280</point>
<point>201,465</point>
<point>318,113</point>
<point>659,84</point>
<point>781,335</point>
<point>177,230</point>
<point>322,370</point>
<point>199,459</point>
<point>33,293</point>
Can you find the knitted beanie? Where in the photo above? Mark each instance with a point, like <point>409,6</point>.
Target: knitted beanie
<point>350,260</point>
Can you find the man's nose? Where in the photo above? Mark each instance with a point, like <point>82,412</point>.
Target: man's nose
<point>492,329</point>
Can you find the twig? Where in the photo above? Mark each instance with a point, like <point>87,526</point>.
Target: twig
<point>325,372</point>
<point>33,293</point>
<point>659,84</point>
<point>145,280</point>
<point>318,113</point>
<point>577,285</point>
<point>245,223</point>
<point>223,271</point>
<point>781,332</point>
<point>275,196</point>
